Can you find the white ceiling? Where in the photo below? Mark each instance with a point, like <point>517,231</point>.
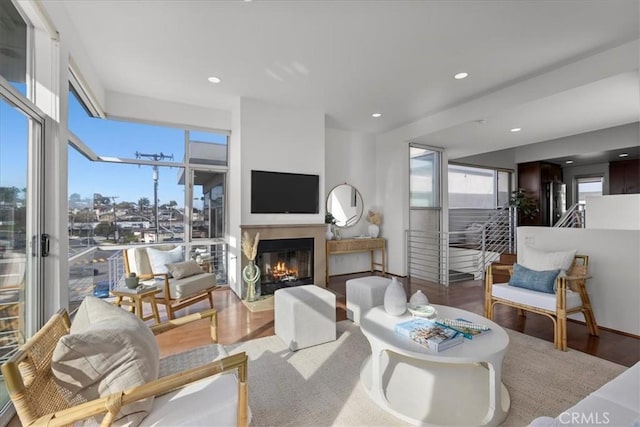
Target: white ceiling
<point>549,67</point>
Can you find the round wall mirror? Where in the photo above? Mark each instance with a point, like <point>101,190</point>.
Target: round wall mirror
<point>344,202</point>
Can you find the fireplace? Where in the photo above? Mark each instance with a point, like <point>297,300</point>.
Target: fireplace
<point>285,263</point>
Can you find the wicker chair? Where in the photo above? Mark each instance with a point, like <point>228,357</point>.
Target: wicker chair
<point>40,401</point>
<point>570,297</point>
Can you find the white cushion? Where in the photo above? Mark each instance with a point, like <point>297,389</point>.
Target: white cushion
<point>159,259</point>
<point>533,298</point>
<point>538,260</point>
<point>108,350</point>
<point>209,402</point>
<point>183,288</point>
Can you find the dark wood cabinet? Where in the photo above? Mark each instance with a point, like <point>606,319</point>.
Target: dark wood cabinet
<point>533,178</point>
<point>624,177</point>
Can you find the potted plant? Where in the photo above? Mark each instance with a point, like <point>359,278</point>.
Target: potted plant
<point>527,208</point>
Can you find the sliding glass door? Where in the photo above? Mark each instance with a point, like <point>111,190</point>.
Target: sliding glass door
<point>20,225</point>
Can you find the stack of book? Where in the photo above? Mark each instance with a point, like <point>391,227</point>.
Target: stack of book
<point>465,327</point>
<point>429,334</point>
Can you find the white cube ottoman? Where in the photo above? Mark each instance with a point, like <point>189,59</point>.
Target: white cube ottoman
<point>364,293</point>
<point>305,316</point>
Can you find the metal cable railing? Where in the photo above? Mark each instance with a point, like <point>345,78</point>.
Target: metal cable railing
<point>574,217</point>
<point>476,238</point>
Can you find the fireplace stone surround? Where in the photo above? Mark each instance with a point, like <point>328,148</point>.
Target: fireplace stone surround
<point>295,231</point>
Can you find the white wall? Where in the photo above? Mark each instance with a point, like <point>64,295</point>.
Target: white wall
<point>269,137</point>
<point>392,187</point>
<point>350,157</point>
<point>280,139</point>
<point>614,288</point>
<point>619,212</point>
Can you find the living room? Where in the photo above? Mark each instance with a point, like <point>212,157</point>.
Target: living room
<point>300,82</point>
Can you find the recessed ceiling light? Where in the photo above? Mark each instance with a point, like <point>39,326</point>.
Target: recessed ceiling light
<point>623,155</point>
<point>461,76</point>
<point>376,115</point>
<point>214,79</point>
<point>515,130</point>
<point>569,162</point>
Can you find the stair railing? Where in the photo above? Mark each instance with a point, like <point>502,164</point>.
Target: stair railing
<point>574,217</point>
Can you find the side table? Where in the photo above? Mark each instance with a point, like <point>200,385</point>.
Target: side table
<point>131,298</point>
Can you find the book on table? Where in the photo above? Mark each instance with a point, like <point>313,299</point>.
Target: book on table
<point>427,333</point>
<point>466,327</point>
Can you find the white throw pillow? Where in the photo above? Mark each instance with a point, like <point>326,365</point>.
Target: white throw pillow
<point>180,270</point>
<point>108,350</point>
<point>159,259</point>
<point>538,260</point>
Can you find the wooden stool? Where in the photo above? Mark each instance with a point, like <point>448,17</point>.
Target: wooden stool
<point>131,298</point>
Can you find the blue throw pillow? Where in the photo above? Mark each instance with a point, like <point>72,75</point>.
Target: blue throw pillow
<point>541,281</point>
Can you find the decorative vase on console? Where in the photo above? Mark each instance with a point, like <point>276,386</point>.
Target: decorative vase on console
<point>329,233</point>
<point>375,219</point>
<point>395,298</point>
<point>330,220</point>
<point>251,272</point>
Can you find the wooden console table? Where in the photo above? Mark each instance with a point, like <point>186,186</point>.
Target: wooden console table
<point>348,246</point>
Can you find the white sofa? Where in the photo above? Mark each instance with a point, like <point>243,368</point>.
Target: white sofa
<point>617,403</point>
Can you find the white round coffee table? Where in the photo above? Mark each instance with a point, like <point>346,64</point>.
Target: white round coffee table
<point>459,386</point>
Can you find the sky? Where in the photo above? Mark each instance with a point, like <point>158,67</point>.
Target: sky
<point>106,138</point>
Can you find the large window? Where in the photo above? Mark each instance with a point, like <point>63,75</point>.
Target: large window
<point>132,183</point>
<point>477,187</point>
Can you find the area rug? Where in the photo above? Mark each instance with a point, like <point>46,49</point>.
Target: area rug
<point>264,303</point>
<point>320,386</point>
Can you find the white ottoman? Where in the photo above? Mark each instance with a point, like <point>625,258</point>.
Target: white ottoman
<point>305,316</point>
<point>364,293</point>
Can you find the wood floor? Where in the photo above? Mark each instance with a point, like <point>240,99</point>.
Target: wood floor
<point>237,323</point>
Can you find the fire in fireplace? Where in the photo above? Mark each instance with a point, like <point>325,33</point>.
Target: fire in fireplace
<point>284,263</point>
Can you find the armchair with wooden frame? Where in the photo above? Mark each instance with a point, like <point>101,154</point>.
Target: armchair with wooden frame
<point>39,400</point>
<point>176,293</point>
<point>570,297</point>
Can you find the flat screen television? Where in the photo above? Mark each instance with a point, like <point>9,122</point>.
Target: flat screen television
<point>281,192</point>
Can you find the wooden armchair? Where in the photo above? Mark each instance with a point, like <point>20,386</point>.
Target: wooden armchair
<point>570,297</point>
<point>39,399</point>
<point>177,293</point>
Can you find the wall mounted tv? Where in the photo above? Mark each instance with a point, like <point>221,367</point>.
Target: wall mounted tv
<point>280,192</point>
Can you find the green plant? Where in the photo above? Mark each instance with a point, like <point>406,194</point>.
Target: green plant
<point>527,207</point>
<point>329,218</point>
